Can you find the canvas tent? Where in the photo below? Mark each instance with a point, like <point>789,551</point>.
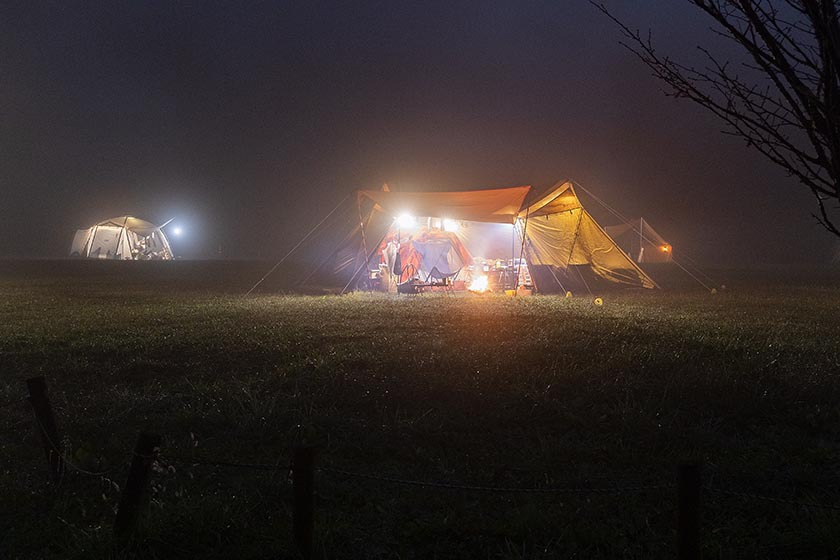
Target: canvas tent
<point>122,238</point>
<point>554,234</point>
<point>639,240</point>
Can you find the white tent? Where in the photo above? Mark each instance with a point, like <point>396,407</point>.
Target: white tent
<point>122,238</point>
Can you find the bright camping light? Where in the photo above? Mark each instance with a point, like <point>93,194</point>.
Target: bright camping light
<point>451,226</point>
<point>478,284</point>
<point>177,231</point>
<point>666,248</point>
<point>406,221</point>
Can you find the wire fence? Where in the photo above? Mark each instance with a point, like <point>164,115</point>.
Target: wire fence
<point>302,470</point>
<point>620,487</point>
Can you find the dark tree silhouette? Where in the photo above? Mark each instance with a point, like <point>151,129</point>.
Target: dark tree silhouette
<point>784,100</point>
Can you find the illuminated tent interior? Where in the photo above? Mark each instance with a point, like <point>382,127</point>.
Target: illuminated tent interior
<point>513,237</point>
<point>639,240</point>
<point>122,238</point>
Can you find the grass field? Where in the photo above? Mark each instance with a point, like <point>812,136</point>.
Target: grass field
<point>486,390</point>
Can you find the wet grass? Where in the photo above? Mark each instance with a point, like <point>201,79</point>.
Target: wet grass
<point>523,392</point>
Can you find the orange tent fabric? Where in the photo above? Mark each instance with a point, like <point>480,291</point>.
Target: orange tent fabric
<point>488,205</point>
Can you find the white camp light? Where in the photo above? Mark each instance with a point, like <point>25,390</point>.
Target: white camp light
<point>406,221</point>
<point>177,231</point>
<point>451,226</point>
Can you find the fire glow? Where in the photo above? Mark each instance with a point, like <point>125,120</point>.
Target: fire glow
<point>478,284</point>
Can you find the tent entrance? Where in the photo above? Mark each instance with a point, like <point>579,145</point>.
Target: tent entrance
<point>458,254</point>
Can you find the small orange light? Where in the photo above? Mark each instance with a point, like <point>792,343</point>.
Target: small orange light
<point>666,248</point>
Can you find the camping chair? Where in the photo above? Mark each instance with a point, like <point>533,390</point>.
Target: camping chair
<point>437,279</point>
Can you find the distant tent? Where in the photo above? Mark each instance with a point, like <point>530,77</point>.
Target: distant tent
<point>559,240</point>
<point>122,238</point>
<point>639,240</point>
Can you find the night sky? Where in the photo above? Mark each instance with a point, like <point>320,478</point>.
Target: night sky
<point>249,121</point>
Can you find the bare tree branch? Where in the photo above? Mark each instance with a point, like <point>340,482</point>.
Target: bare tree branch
<point>786,104</point>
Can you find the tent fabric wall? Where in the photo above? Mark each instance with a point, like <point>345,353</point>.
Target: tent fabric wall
<point>574,238</point>
<point>561,233</point>
<point>80,240</point>
<point>639,240</point>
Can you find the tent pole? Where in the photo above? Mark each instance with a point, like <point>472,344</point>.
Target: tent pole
<point>574,241</point>
<point>362,225</point>
<point>641,236</point>
<point>521,251</point>
<point>367,259</point>
<point>119,237</point>
<point>533,276</point>
<point>513,252</point>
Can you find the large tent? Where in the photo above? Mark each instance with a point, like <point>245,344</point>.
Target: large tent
<point>122,238</point>
<point>553,234</point>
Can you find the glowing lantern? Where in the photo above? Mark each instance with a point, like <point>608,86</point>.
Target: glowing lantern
<point>665,248</point>
<point>406,221</point>
<point>451,225</point>
<point>599,301</point>
<point>478,284</point>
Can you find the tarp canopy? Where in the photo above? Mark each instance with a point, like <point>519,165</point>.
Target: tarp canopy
<point>487,205</point>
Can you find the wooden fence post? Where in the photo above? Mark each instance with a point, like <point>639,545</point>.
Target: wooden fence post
<point>688,515</point>
<point>303,485</point>
<point>45,425</point>
<point>137,484</point>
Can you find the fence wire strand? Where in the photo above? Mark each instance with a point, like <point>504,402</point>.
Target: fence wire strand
<point>64,458</point>
<point>498,489</point>
<point>215,463</point>
<point>772,499</point>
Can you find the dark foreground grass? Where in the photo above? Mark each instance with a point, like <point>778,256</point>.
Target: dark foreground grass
<point>510,392</point>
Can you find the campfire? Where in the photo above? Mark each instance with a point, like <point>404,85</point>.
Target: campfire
<point>478,284</point>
